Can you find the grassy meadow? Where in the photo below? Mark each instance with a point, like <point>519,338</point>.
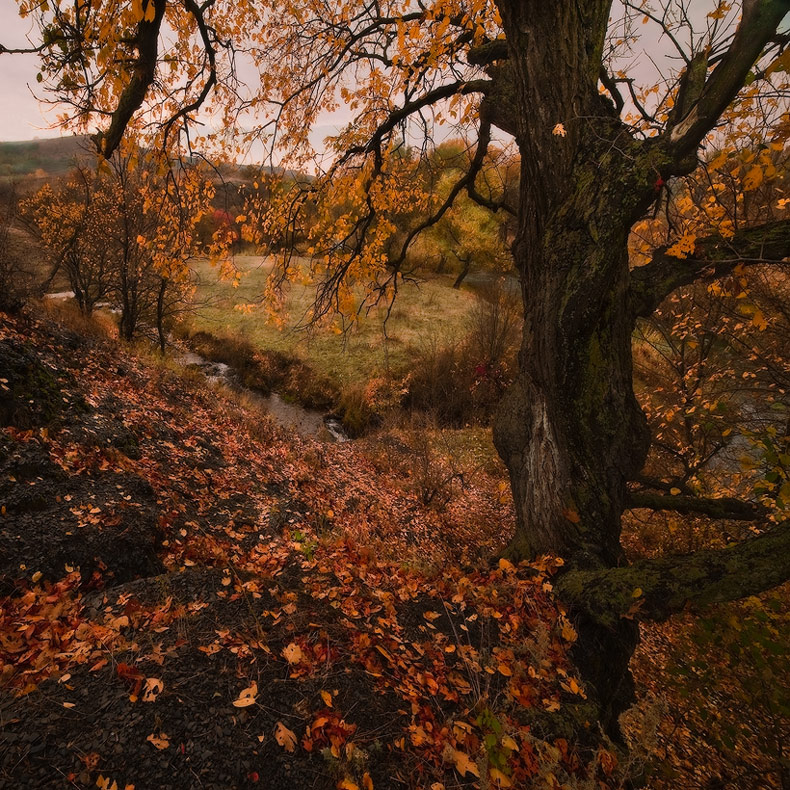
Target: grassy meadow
<point>424,314</point>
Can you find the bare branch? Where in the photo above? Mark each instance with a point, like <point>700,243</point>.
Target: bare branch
<point>758,26</point>
<point>714,257</point>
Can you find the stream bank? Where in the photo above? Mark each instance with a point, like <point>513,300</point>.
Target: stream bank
<point>296,398</point>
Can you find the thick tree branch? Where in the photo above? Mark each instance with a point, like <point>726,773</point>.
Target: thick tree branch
<point>142,77</point>
<point>487,53</point>
<point>611,86</point>
<point>758,26</point>
<point>654,589</point>
<point>713,257</point>
<point>717,507</point>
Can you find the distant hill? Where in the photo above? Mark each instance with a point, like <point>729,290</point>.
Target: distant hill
<point>38,160</point>
<point>43,158</point>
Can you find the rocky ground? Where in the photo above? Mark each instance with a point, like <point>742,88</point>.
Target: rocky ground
<point>192,599</point>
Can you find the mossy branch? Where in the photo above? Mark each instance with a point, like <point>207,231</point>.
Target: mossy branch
<point>654,589</point>
<point>715,507</point>
<point>759,22</point>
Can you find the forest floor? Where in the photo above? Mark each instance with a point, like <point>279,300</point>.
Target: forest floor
<point>192,598</point>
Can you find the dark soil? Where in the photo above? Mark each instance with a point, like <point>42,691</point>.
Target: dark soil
<point>159,555</point>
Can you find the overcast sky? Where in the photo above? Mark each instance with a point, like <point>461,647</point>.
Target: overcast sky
<point>22,117</point>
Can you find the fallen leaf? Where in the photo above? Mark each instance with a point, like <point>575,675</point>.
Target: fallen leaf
<point>499,778</point>
<point>285,737</point>
<point>509,743</point>
<point>161,741</point>
<point>464,763</point>
<point>153,688</point>
<point>247,696</point>
<point>327,698</point>
<point>293,654</point>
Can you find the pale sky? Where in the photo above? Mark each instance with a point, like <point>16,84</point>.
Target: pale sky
<point>22,117</point>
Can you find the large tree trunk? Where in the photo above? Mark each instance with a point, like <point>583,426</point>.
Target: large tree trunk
<point>570,430</point>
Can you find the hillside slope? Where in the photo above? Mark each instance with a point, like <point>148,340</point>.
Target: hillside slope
<point>193,599</point>
<point>49,157</point>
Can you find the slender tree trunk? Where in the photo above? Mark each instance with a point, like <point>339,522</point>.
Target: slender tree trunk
<point>160,314</point>
<point>467,263</point>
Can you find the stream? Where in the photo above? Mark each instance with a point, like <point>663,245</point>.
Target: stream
<point>305,422</point>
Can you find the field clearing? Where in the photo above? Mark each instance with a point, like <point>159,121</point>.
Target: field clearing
<point>431,312</point>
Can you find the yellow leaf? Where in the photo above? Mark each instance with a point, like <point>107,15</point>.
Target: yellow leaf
<point>509,743</point>
<point>759,321</point>
<point>674,491</point>
<point>499,778</point>
<point>247,696</point>
<point>568,632</point>
<point>753,179</point>
<point>637,593</point>
<point>293,653</point>
<point>285,737</point>
<point>464,763</point>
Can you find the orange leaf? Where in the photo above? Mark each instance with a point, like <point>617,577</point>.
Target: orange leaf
<point>161,741</point>
<point>293,653</point>
<point>464,763</point>
<point>327,698</point>
<point>153,688</point>
<point>285,737</point>
<point>499,778</point>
